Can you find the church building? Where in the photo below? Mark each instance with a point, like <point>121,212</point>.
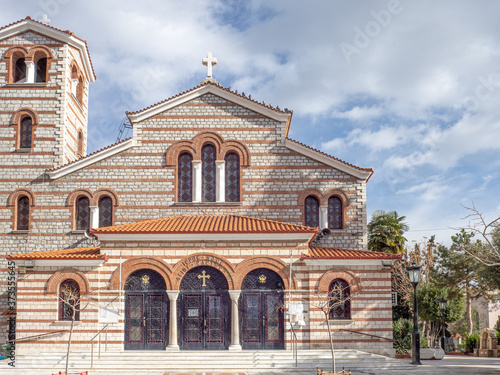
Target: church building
<point>208,229</point>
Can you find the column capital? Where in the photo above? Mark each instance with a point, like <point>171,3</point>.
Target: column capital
<point>234,294</point>
<point>172,295</point>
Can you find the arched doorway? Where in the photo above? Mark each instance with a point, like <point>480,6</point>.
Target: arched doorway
<point>146,311</point>
<point>262,317</point>
<point>204,315</point>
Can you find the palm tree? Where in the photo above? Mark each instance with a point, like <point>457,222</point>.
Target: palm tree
<point>385,232</point>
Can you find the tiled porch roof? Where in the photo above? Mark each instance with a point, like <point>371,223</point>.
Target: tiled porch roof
<point>317,252</point>
<point>207,224</point>
<point>87,253</point>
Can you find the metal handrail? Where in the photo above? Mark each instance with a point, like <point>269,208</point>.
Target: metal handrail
<point>366,334</point>
<point>92,344</point>
<point>294,340</point>
<point>36,336</point>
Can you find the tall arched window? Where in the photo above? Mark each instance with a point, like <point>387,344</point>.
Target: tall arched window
<point>69,300</point>
<point>232,179</point>
<point>79,90</point>
<point>23,213</point>
<point>335,213</point>
<point>311,211</point>
<point>339,296</point>
<point>105,212</point>
<point>82,217</point>
<point>26,132</point>
<point>208,173</point>
<point>41,70</point>
<point>20,70</point>
<point>185,178</point>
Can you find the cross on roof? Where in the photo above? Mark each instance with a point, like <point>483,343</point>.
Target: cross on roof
<point>45,19</point>
<point>209,62</point>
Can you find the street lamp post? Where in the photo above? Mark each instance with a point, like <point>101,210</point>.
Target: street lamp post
<point>414,276</point>
<point>442,307</point>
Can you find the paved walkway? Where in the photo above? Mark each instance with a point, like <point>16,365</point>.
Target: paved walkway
<point>450,365</point>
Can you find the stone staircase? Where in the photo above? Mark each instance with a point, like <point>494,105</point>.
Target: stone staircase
<point>160,362</point>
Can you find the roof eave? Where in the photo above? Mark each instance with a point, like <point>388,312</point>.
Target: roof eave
<point>358,173</point>
<point>202,90</point>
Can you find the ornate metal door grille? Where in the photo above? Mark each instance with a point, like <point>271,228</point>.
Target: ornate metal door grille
<point>262,310</point>
<point>146,311</point>
<point>203,309</point>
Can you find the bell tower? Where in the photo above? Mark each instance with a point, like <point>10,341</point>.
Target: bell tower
<point>45,74</point>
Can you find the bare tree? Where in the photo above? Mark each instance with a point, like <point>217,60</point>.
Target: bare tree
<point>489,253</point>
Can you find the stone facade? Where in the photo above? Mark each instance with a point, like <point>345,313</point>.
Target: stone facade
<point>140,176</point>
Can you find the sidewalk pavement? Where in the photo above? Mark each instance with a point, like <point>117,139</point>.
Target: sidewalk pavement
<point>450,365</point>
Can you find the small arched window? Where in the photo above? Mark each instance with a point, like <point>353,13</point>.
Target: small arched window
<point>23,213</point>
<point>82,217</point>
<point>105,212</point>
<point>20,70</point>
<point>232,179</point>
<point>208,173</point>
<point>311,211</point>
<point>185,178</point>
<point>335,213</point>
<point>79,90</point>
<point>339,298</point>
<point>26,132</point>
<point>80,144</point>
<point>41,70</point>
<point>69,300</point>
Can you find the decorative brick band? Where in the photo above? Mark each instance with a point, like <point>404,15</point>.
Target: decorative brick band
<point>268,262</point>
<point>203,259</point>
<point>339,273</point>
<point>136,264</point>
<point>67,273</point>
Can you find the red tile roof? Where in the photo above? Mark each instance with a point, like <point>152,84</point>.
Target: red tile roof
<point>70,33</point>
<point>318,252</point>
<point>87,253</point>
<point>86,156</point>
<point>330,156</point>
<point>207,224</point>
<point>277,109</point>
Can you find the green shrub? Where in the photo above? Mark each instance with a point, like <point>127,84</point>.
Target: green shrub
<point>401,331</point>
<point>471,342</point>
<point>424,343</point>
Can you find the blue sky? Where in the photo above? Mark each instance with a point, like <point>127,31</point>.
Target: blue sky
<point>409,88</point>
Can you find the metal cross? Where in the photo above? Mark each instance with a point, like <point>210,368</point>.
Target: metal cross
<point>45,19</point>
<point>209,62</point>
<point>204,277</point>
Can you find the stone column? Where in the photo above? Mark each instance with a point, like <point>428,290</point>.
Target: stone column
<point>323,217</point>
<point>196,180</point>
<point>172,326</point>
<point>94,217</point>
<point>220,177</point>
<point>30,71</point>
<point>235,320</point>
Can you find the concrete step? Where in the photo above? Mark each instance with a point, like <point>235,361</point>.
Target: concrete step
<point>207,361</point>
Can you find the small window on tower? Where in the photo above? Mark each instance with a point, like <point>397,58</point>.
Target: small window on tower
<point>80,144</point>
<point>26,133</point>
